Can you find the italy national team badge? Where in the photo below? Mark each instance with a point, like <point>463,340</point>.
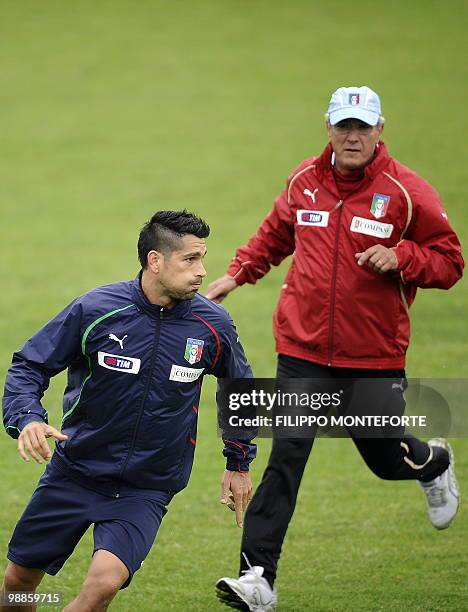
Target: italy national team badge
<point>193,350</point>
<point>379,205</point>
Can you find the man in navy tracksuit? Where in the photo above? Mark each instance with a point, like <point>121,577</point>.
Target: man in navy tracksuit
<point>136,353</point>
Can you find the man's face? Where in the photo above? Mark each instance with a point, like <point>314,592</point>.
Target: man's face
<point>353,142</point>
<point>181,272</point>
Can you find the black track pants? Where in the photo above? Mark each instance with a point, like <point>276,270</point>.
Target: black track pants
<point>404,458</point>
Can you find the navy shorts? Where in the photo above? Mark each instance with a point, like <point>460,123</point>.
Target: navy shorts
<point>61,510</point>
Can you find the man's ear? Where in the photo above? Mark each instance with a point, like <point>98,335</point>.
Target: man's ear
<point>154,261</point>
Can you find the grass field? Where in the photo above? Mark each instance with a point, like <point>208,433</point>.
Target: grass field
<point>112,110</point>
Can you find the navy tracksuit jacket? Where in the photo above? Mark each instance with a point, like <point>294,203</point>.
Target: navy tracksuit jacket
<point>134,380</point>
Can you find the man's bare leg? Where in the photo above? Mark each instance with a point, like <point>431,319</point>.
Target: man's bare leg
<point>19,578</point>
<point>105,576</point>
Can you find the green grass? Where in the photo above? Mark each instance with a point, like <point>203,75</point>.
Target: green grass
<point>112,110</point>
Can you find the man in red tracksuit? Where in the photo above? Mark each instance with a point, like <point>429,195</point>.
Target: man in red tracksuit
<point>364,232</point>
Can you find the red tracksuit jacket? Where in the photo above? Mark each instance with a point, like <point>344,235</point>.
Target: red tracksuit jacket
<point>332,311</point>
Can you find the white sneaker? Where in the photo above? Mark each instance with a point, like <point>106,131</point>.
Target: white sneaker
<point>442,493</point>
<point>249,592</point>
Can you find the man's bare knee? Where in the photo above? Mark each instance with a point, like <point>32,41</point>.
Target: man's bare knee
<point>20,578</point>
<point>104,586</point>
<point>107,570</point>
<point>96,594</point>
<point>106,575</point>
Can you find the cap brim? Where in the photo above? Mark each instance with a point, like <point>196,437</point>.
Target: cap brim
<point>354,112</point>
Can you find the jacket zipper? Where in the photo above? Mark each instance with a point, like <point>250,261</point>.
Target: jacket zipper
<point>157,334</point>
<point>331,316</point>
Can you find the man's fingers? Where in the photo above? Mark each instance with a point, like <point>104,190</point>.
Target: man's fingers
<point>363,257</point>
<point>224,496</point>
<point>236,493</point>
<point>42,445</point>
<point>37,440</point>
<point>225,488</point>
<point>381,266</point>
<point>248,494</point>
<point>55,433</point>
<point>29,448</point>
<point>214,291</point>
<point>220,288</point>
<point>380,263</point>
<point>36,452</point>
<point>230,503</point>
<point>21,449</point>
<point>238,500</point>
<point>32,441</point>
<point>386,267</point>
<point>245,496</point>
<point>214,294</point>
<point>239,513</point>
<point>376,257</point>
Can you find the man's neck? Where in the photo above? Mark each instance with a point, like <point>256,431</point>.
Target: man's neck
<point>352,173</point>
<point>154,293</point>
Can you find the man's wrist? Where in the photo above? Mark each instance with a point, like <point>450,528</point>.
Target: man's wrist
<point>396,266</point>
<point>237,466</point>
<point>402,253</point>
<point>29,418</point>
<point>237,272</point>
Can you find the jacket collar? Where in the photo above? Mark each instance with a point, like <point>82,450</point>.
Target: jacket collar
<point>380,161</point>
<point>181,310</point>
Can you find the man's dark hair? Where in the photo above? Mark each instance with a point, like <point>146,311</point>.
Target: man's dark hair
<point>165,229</point>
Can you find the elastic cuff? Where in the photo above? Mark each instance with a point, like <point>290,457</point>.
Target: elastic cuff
<point>29,418</point>
<point>402,255</point>
<point>237,466</point>
<point>238,273</point>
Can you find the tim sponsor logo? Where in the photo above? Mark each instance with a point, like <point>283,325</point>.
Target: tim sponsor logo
<point>118,362</point>
<point>319,218</point>
<point>129,365</point>
<point>312,217</point>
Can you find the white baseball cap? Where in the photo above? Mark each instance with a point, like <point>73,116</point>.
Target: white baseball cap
<point>354,103</point>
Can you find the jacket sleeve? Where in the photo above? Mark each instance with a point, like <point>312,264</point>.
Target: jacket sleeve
<point>430,254</point>
<point>273,241</point>
<point>239,452</point>
<point>44,355</point>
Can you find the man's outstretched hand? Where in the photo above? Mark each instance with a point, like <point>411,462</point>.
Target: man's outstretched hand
<point>236,492</point>
<point>220,288</point>
<point>32,440</point>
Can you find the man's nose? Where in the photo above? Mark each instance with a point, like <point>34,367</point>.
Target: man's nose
<point>353,135</point>
<point>201,270</point>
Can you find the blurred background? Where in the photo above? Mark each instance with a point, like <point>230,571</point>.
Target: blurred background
<point>110,111</point>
